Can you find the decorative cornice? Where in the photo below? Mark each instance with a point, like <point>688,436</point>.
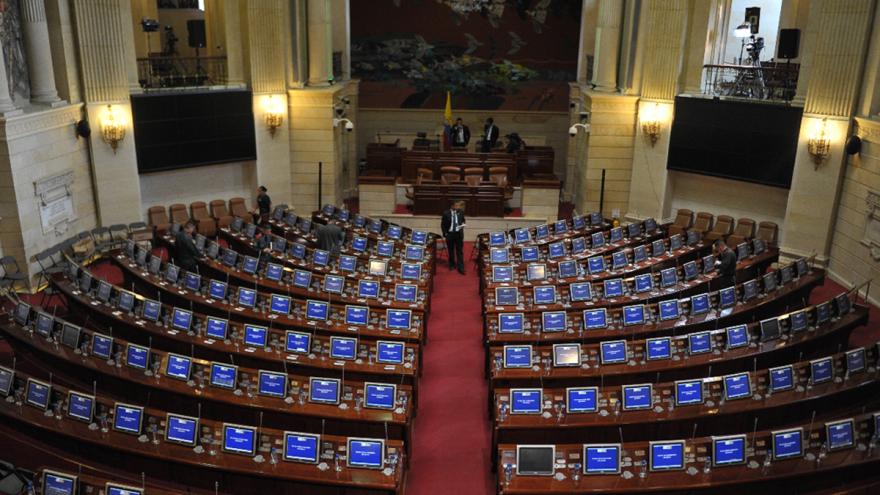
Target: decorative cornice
<point>868,129</point>
<point>27,124</point>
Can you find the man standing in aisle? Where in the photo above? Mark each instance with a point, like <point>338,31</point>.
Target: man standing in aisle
<point>452,224</point>
<point>186,254</point>
<point>264,206</point>
<point>725,263</point>
<point>490,136</point>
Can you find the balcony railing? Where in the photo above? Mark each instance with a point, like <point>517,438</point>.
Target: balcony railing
<point>180,72</point>
<point>768,81</point>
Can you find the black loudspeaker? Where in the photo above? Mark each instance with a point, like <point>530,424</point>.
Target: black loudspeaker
<point>789,41</point>
<point>853,145</point>
<point>196,30</point>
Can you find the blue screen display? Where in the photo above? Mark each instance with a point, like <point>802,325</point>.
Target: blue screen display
<point>178,367</point>
<point>317,310</point>
<point>181,319</point>
<point>737,386</point>
<point>545,294</point>
<point>297,342</point>
<point>80,406</point>
<point>526,400</point>
<point>216,328</point>
<point>578,245</point>
<point>798,321</point>
<point>510,323</point>
<point>137,356</point>
<point>497,238</point>
<point>644,283</point>
<point>324,390</point>
<point>380,395</point>
<point>668,277</point>
<point>821,370</point>
<point>223,375</point>
<point>560,226</point>
<point>582,399</point>
<point>727,296</point>
<point>521,235</point>
<point>578,222</point>
<point>613,352</point>
<point>181,429</point>
<point>595,318</point>
<point>618,260</point>
<point>359,221</point>
<point>699,343</point>
<point>601,459</point>
<point>126,301</point>
<point>596,264</point>
<point>297,250</point>
<point>302,279</point>
<point>356,315</point>
<point>855,360</point>
<point>393,232</point>
<point>419,237</point>
<point>385,248</point>
<point>502,274</point>
<point>568,269</point>
<point>637,397</point>
<point>239,439</point>
<point>389,352</point>
<point>597,239</point>
<point>217,289</point>
<point>640,253</point>
<point>256,336</point>
<point>517,356</point>
<point>788,443</point>
<point>613,288</point>
<point>823,312</point>
<point>553,321</point>
<point>658,248</point>
<point>405,293</point>
<point>542,231</point>
<point>279,304</point>
<point>58,484</point>
<point>102,346</point>
<point>634,315</point>
<point>595,218</point>
<point>347,263</point>
<point>247,297</point>
<point>499,255</point>
<point>669,310</point>
<point>666,456</point>
<point>272,384</point>
<point>151,310</point>
<point>38,393</point>
<point>415,253</point>
<point>343,348</point>
<point>737,336</point>
<point>128,418</point>
<point>334,284</point>
<point>192,281</point>
<point>398,318</point>
<point>729,450</point>
<point>363,453</point>
<point>699,304</point>
<point>840,434</point>
<point>249,265</point>
<point>368,289</point>
<point>781,378</point>
<point>359,244</point>
<point>580,291</point>
<point>530,253</point>
<point>301,447</point>
<point>616,234</point>
<point>750,290</point>
<point>659,348</point>
<point>556,250</point>
<point>688,392</point>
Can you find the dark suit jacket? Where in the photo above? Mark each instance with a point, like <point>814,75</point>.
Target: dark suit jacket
<point>467,135</point>
<point>185,250</point>
<point>330,237</point>
<point>491,136</point>
<point>727,268</point>
<point>446,222</point>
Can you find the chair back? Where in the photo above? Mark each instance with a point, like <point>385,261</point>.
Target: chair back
<point>199,210</point>
<point>238,208</point>
<point>768,232</point>
<point>219,209</point>
<point>703,223</point>
<point>425,173</point>
<point>745,227</point>
<point>724,225</point>
<point>684,218</point>
<point>157,216</point>
<point>178,213</point>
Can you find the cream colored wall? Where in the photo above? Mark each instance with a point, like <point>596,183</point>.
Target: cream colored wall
<point>141,9</point>
<point>222,181</point>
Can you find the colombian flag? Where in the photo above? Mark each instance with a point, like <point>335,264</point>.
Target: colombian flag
<point>447,126</point>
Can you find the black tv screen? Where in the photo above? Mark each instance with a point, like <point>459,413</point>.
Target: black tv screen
<point>178,130</point>
<point>748,141</point>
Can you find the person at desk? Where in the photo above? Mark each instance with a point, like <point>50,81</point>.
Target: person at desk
<point>461,134</point>
<point>490,136</point>
<point>263,239</point>
<point>330,238</point>
<point>186,254</point>
<point>452,224</point>
<point>264,205</point>
<point>725,263</point>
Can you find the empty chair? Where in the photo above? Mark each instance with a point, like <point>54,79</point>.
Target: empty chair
<point>723,228</point>
<point>238,208</point>
<point>449,174</point>
<point>51,262</point>
<point>118,233</point>
<point>12,274</point>
<point>703,223</point>
<point>768,232</point>
<point>204,223</point>
<point>136,226</point>
<point>158,219</point>
<point>178,213</point>
<point>683,221</point>
<point>102,238</point>
<point>497,173</point>
<point>425,173</point>
<point>220,213</point>
<point>745,230</point>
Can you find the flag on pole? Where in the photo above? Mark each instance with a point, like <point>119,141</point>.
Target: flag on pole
<point>447,126</point>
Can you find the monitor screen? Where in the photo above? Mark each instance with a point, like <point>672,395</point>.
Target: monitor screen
<point>151,310</point>
<point>675,242</point>
<point>239,439</point>
<point>669,310</point>
<point>568,269</point>
<point>181,429</point>
<point>70,335</point>
<point>750,290</point>
<point>415,253</point>
<point>781,378</point>
<point>729,450</point>
<point>578,245</point>
<point>526,400</point>
<point>278,244</point>
<point>578,222</point>
<point>419,237</point>
<point>843,304</point>
<point>581,400</point>
<point>324,390</point>
<point>55,483</point>
<point>317,310</point>
<point>224,375</point>
<point>802,267</point>
<point>213,250</point>
<point>297,250</point>
<point>127,418</point>
<point>666,456</point>
<point>179,367</point>
<point>616,234</point>
<point>497,238</point>
<point>640,253</point>
<point>302,447</point>
<point>602,458</point>
<point>305,225</point>
<point>216,328</point>
<point>394,232</point>
<point>181,319</point>
<point>787,443</point>
<point>359,244</point>
<point>769,281</point>
<point>542,231</point>
<point>595,318</point>
<point>510,323</point>
<point>668,277</point>
<point>272,384</point>
<point>823,312</point>
<point>334,284</point>
<point>595,264</point>
<point>38,394</point>
<point>104,291</point>
<point>154,266</point>
<point>658,248</point>
<point>320,257</point>
<point>700,304</point>
<point>613,288</point>
<point>613,352</point>
<point>137,356</point>
<point>366,453</point>
<point>389,352</point>
<point>560,226</point>
<point>658,348</point>
<point>356,315</point>
<point>840,434</point>
<point>544,294</point>
<point>297,342</point>
<point>192,281</point>
<point>596,218</point>
<point>634,315</point>
<point>506,296</point>
<point>821,370</point>
<point>405,293</point>
<point>379,268</point>
<point>727,297</point>
<point>580,291</point>
<point>618,260</point>
<point>536,271</point>
<point>380,395</point>
<point>553,321</point>
<point>385,248</point>
<point>347,263</point>
<point>566,355</point>
<point>102,346</point>
<point>359,221</point>
<point>737,386</point>
<point>247,297</point>
<point>302,279</point>
<point>256,336</point>
<point>737,336</point>
<point>535,460</point>
<point>80,406</point>
<point>690,270</point>
<point>644,283</point>
<point>368,289</point>
<point>597,239</point>
<point>229,257</point>
<point>502,274</point>
<point>699,342</point>
<point>521,235</point>
<point>855,360</point>
<point>343,347</point>
<point>693,237</point>
<point>125,301</point>
<point>517,356</point>
<point>375,226</point>
<point>249,265</point>
<point>769,329</point>
<point>556,250</point>
<point>688,392</point>
<point>708,263</point>
<point>217,289</point>
<point>279,304</point>
<point>45,324</point>
<point>637,396</point>
<point>400,319</point>
<point>499,255</point>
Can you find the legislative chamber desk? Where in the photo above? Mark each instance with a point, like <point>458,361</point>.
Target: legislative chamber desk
<point>412,161</point>
<point>433,198</point>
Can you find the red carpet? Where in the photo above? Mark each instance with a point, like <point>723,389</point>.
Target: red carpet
<point>452,437</point>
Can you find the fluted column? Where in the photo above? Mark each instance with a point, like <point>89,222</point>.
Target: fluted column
<point>320,43</point>
<point>232,25</point>
<point>6,104</point>
<point>39,52</point>
<point>607,50</point>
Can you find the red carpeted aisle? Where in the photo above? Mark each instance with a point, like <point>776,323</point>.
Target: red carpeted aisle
<point>451,439</point>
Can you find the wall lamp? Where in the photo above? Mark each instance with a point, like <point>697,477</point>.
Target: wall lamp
<point>113,124</point>
<point>274,113</point>
<point>651,123</point>
<point>818,143</point>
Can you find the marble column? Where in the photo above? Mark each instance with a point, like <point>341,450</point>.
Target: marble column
<point>39,52</point>
<point>320,43</point>
<point>607,50</point>
<point>232,25</point>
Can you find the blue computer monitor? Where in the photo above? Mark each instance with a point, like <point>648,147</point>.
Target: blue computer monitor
<point>737,336</point>
<point>823,312</point>
<point>640,254</point>
<point>536,271</point>
<point>658,248</point>
<point>821,370</point>
<point>297,250</point>
<point>502,274</point>
<point>302,279</point>
<point>666,455</point>
<point>601,458</point>
<point>366,453</point>
<point>787,444</point>
<point>334,284</point>
<point>544,294</point>
<point>249,265</point>
<point>359,221</point>
<point>405,293</point>
<point>506,296</point>
<point>856,360</point>
<point>542,231</point>
<point>708,264</point>
<point>798,321</point>
<point>669,310</point>
<point>634,397</point>
<point>181,319</point>
<point>128,418</point>
<point>388,352</point>
<point>510,323</point>
<point>80,406</point>
<point>613,352</point>
<point>658,348</point>
<point>380,395</point>
<point>305,225</point>
<point>347,263</point>
<point>217,289</point>
<point>320,257</point>
<point>688,392</point>
<point>786,274</point>
<point>613,287</point>
<point>343,215</point>
<point>521,235</point>
<point>192,281</point>
<point>239,439</point>
<point>343,348</point>
<point>137,356</point>
<point>357,315</point>
<point>581,400</point>
<point>125,301</point>
<point>554,321</point>
<point>568,269</point>
<point>727,297</point>
<point>415,253</point>
<point>781,378</point>
<point>359,244</point>
<point>297,342</point>
<point>675,242</point>
<point>385,248</point>
<point>247,297</point>
<point>526,400</point>
<point>700,304</point>
<point>37,393</point>
<point>618,260</point>
<point>497,239</point>
<point>272,384</point>
<point>324,390</point>
<point>668,277</point>
<point>151,310</point>
<point>595,318</point>
<point>317,310</point>
<point>596,218</point>
<point>216,328</point>
<point>595,265</point>
<point>597,240</point>
<point>517,356</point>
<point>229,257</point>
<point>578,245</point>
<point>398,319</point>
<point>750,290</point>
<point>7,379</point>
<point>728,450</point>
<point>580,291</point>
<point>644,283</point>
<point>224,375</point>
<point>45,324</point>
<point>769,281</point>
<point>368,289</point>
<point>56,483</point>
<point>302,447</point>
<point>844,304</point>
<point>560,226</point>
<point>840,434</point>
<point>279,304</point>
<point>699,342</point>
<point>394,232</point>
<point>105,290</point>
<point>256,336</point>
<point>181,429</point>
<point>419,237</point>
<point>634,315</point>
<point>499,255</point>
<point>178,367</point>
<point>102,346</point>
<point>737,386</point>
<point>615,235</point>
<point>690,270</point>
<point>578,222</point>
<point>633,230</point>
<point>556,250</point>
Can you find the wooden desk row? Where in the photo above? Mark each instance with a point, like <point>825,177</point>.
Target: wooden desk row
<point>411,161</point>
<point>373,228</point>
<point>544,234</point>
<point>485,199</point>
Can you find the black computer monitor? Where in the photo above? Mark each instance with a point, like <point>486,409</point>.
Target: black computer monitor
<point>70,335</point>
<point>535,460</point>
<point>7,379</point>
<point>769,329</point>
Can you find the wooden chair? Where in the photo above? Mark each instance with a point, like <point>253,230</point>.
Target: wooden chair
<point>205,225</point>
<point>498,175</point>
<point>425,173</point>
<point>178,213</point>
<point>745,230</point>
<point>449,174</point>
<point>683,221</point>
<point>723,228</point>
<point>768,232</point>
<point>703,223</point>
<point>238,208</point>
<point>158,218</point>
<point>220,213</point>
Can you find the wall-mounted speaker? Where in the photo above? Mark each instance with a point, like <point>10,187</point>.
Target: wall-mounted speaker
<point>789,42</point>
<point>853,145</point>
<point>83,129</point>
<point>196,33</point>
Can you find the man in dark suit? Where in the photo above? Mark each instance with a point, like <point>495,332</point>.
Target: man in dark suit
<point>330,237</point>
<point>264,205</point>
<point>185,252</point>
<point>452,224</point>
<point>725,263</point>
<point>461,134</point>
<point>490,136</point>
